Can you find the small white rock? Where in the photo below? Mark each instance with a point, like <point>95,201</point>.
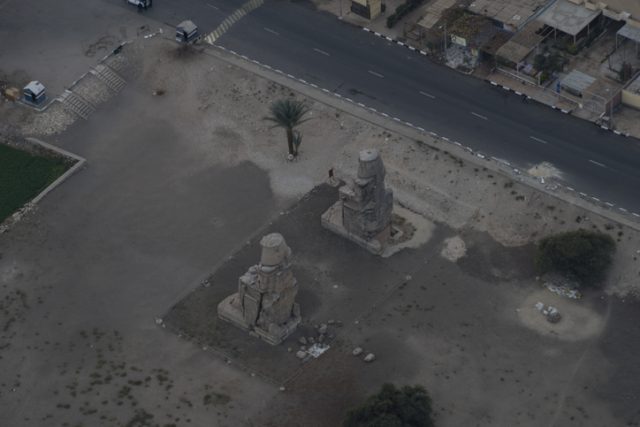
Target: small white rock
<point>357,351</point>
<point>370,357</point>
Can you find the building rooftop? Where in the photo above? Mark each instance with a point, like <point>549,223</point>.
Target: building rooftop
<point>434,13</point>
<point>568,17</point>
<point>632,7</point>
<point>630,32</point>
<point>577,81</point>
<point>513,13</point>
<point>520,45</point>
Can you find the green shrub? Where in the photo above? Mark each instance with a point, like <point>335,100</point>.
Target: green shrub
<point>582,255</point>
<point>401,11</point>
<point>392,20</point>
<point>393,407</point>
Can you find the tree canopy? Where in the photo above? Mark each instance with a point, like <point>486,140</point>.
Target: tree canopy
<point>289,113</point>
<point>582,255</point>
<point>409,406</point>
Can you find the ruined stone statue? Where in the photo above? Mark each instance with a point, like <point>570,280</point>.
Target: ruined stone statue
<point>363,212</point>
<point>265,301</point>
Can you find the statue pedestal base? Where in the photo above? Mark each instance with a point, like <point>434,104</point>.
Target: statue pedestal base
<point>332,220</point>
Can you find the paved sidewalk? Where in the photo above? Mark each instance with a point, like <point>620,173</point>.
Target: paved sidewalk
<point>341,8</point>
<point>545,96</point>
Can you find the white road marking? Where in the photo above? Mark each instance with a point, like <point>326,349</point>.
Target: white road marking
<point>597,163</point>
<point>376,74</point>
<point>269,30</point>
<point>428,95</point>
<point>480,116</point>
<point>322,52</point>
<point>542,141</point>
<point>212,6</point>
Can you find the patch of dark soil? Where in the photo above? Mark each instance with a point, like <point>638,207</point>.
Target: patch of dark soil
<point>621,344</point>
<point>488,260</point>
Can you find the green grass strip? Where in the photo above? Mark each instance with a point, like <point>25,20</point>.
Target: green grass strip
<point>23,175</point>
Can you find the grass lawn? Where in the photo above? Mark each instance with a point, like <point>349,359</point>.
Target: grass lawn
<point>23,175</point>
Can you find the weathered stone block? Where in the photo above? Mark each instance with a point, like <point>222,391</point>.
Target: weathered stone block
<point>265,301</point>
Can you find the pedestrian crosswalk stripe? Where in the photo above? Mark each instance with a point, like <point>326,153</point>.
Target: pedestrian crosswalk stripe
<point>232,19</point>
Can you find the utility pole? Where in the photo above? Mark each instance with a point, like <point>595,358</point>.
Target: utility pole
<point>445,36</point>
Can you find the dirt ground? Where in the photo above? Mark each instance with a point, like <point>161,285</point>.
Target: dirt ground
<point>461,324</point>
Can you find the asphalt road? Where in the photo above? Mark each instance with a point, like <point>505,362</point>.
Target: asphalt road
<point>334,55</point>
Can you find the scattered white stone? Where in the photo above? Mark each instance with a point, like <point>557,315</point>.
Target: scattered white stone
<point>370,357</point>
<point>564,291</point>
<point>357,351</point>
<point>158,321</point>
<point>322,329</point>
<point>539,306</point>
<point>282,388</point>
<point>302,340</point>
<point>301,354</point>
<point>316,350</point>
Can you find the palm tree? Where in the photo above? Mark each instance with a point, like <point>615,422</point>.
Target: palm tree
<point>289,113</point>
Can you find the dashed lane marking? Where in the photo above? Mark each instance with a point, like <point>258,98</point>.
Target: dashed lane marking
<point>373,73</point>
<point>428,95</point>
<point>321,52</point>
<point>597,163</point>
<point>269,30</point>
<point>480,116</point>
<point>542,141</point>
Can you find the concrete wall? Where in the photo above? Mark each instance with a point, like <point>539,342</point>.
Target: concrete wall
<point>632,99</point>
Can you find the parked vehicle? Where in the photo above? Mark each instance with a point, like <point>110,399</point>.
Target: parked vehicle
<point>142,4</point>
<point>187,32</point>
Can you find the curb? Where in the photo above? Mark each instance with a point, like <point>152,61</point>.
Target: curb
<point>508,89</point>
<point>27,207</point>
<point>399,43</point>
<point>583,200</point>
<point>80,161</point>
